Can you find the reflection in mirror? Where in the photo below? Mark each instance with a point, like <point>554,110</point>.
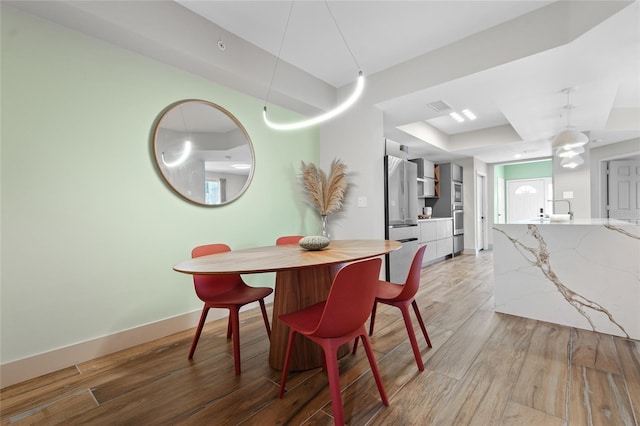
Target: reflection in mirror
<point>203,152</point>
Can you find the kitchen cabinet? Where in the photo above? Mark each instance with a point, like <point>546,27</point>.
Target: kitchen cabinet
<point>437,234</point>
<point>448,189</point>
<point>426,178</point>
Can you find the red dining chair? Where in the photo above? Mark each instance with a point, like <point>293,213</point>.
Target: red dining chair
<point>338,320</point>
<point>403,296</point>
<point>289,239</point>
<point>228,292</point>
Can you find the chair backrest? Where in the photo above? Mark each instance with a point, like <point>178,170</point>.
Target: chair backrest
<point>412,284</point>
<point>209,286</point>
<point>289,239</point>
<point>350,298</point>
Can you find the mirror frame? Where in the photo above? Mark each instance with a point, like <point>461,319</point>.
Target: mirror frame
<point>157,155</point>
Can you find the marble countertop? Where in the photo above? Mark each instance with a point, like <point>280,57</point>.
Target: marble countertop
<point>591,221</point>
<point>434,218</point>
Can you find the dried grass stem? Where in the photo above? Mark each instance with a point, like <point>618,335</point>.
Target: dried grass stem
<point>325,192</point>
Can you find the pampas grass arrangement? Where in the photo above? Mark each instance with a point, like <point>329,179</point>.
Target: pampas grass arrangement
<point>325,192</point>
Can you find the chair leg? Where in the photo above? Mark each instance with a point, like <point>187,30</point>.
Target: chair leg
<point>194,343</point>
<point>412,336</point>
<point>374,368</point>
<point>331,358</point>
<point>287,358</point>
<point>234,315</point>
<point>424,330</point>
<point>355,345</point>
<point>229,330</point>
<point>373,317</point>
<point>265,318</point>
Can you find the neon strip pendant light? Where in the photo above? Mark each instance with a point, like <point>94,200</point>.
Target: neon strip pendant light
<point>324,116</point>
<point>185,154</point>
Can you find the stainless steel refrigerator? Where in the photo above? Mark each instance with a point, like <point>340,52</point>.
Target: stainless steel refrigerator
<point>401,215</point>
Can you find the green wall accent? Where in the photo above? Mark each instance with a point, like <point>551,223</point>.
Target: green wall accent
<point>537,169</point>
<point>89,230</point>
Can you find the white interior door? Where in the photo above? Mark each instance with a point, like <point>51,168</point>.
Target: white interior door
<point>525,198</point>
<point>624,190</point>
<point>501,212</point>
<point>481,211</point>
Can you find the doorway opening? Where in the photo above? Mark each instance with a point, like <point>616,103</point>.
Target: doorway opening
<point>521,190</point>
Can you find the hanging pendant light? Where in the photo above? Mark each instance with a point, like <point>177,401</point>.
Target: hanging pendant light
<point>572,152</point>
<point>569,138</point>
<point>339,109</point>
<point>572,162</point>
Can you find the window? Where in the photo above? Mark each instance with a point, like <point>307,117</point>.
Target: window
<point>212,191</point>
<point>525,189</point>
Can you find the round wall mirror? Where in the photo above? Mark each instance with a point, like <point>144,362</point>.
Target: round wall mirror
<point>203,152</point>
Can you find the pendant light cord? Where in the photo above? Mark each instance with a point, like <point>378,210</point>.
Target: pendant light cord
<point>568,108</point>
<point>284,33</point>
<point>344,40</point>
<point>359,86</point>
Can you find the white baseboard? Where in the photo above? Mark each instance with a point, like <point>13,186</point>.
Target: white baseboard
<point>48,362</point>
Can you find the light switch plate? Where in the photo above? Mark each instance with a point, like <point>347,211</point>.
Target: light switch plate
<point>362,201</point>
<point>567,194</point>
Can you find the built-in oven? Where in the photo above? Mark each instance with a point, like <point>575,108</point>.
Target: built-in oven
<point>457,193</point>
<point>458,220</point>
<point>458,229</point>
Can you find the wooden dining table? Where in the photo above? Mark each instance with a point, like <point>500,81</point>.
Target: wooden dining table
<point>303,277</point>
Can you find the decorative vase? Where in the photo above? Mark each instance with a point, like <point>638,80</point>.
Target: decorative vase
<point>325,228</point>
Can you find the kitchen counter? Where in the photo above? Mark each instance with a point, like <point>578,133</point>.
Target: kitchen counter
<point>593,221</point>
<point>581,274</point>
<point>431,219</point>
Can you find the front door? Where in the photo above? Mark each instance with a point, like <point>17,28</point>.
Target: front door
<point>525,198</point>
<point>624,190</point>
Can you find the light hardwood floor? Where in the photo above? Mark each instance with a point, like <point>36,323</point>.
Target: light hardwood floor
<point>484,368</point>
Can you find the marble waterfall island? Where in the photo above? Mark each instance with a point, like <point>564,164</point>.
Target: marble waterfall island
<point>583,274</point>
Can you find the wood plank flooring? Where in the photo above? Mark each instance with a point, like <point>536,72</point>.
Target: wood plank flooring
<point>484,368</point>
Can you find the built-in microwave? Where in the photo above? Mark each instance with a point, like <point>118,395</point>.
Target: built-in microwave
<point>457,193</point>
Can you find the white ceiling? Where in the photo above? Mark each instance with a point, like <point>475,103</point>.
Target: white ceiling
<point>517,97</point>
<point>602,66</point>
<point>379,33</point>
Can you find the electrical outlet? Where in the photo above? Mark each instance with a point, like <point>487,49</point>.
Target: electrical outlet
<point>567,194</point>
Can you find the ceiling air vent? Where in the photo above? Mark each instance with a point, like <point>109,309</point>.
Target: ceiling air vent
<point>440,106</point>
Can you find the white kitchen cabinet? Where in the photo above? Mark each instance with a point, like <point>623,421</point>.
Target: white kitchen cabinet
<point>428,169</point>
<point>428,231</point>
<point>444,229</point>
<point>429,188</point>
<point>426,175</point>
<point>437,234</point>
<point>444,247</point>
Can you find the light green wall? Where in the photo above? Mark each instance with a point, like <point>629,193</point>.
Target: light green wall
<point>89,230</point>
<point>537,169</point>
